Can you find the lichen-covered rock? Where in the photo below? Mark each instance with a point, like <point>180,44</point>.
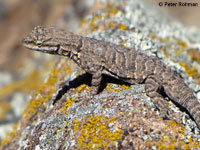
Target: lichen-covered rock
<point>120,117</point>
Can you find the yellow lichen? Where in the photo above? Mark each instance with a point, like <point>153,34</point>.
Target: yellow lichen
<point>68,70</point>
<point>109,86</point>
<point>195,55</point>
<point>4,108</point>
<point>154,36</point>
<point>178,51</point>
<point>168,47</point>
<point>191,71</point>
<point>182,44</point>
<point>93,21</point>
<point>116,90</point>
<point>122,87</point>
<point>35,103</point>
<point>80,88</point>
<point>164,40</point>
<point>42,131</point>
<point>112,25</point>
<point>65,126</point>
<point>111,10</point>
<point>95,133</point>
<point>116,26</point>
<point>166,54</point>
<point>67,104</point>
<point>110,4</point>
<point>125,86</point>
<point>122,27</point>
<point>75,125</point>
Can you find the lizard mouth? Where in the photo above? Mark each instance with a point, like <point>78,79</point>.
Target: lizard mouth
<point>42,48</point>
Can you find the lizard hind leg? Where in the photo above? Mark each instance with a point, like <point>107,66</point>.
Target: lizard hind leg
<point>152,87</point>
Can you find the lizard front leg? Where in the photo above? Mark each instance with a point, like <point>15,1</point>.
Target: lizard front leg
<point>96,80</point>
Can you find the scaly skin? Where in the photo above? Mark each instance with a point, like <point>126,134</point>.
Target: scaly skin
<point>97,57</point>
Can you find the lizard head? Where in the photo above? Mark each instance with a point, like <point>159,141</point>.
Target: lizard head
<point>41,39</point>
<point>52,40</point>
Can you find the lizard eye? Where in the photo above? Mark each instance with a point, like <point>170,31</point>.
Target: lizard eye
<point>39,43</point>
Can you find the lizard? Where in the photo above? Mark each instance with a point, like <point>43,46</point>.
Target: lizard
<point>98,57</point>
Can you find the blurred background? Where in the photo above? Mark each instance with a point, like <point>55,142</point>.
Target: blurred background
<point>22,71</point>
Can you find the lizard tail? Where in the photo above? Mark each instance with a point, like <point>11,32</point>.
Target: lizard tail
<point>183,95</point>
<point>193,106</point>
